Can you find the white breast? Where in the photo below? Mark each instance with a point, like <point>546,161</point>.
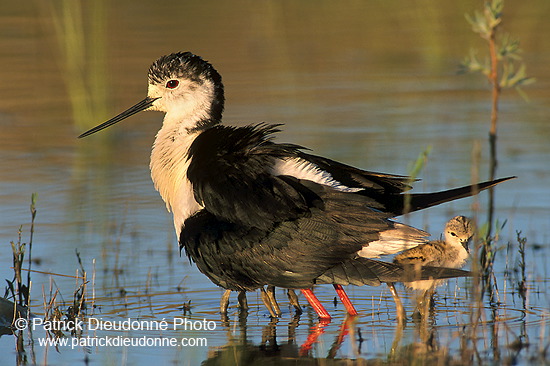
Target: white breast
<point>455,256</point>
<point>169,166</point>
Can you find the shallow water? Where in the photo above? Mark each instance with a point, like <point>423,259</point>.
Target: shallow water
<point>370,84</point>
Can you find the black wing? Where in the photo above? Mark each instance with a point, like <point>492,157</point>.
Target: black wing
<point>291,254</point>
<point>370,182</point>
<point>364,271</point>
<point>230,171</point>
<point>257,228</point>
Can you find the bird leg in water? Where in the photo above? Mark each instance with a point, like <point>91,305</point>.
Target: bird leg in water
<point>399,309</point>
<point>293,298</point>
<point>344,330</point>
<point>424,302</point>
<point>345,300</point>
<point>266,299</point>
<point>316,304</point>
<point>314,334</point>
<point>243,303</point>
<point>273,300</point>
<point>224,301</point>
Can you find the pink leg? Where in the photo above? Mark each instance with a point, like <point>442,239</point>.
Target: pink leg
<point>345,300</point>
<point>313,336</point>
<point>317,306</point>
<point>344,330</point>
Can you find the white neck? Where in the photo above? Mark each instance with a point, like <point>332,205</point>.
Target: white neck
<point>456,254</point>
<point>185,107</point>
<point>169,166</point>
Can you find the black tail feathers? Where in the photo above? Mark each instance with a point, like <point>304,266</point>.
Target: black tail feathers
<point>418,201</point>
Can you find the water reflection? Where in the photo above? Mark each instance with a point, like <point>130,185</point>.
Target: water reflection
<point>239,350</point>
<point>301,339</point>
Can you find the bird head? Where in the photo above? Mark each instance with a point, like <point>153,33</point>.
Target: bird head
<point>184,86</point>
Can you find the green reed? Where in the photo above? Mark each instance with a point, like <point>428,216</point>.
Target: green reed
<point>81,36</point>
<point>503,67</point>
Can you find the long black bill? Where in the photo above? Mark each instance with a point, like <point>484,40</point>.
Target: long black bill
<point>144,104</point>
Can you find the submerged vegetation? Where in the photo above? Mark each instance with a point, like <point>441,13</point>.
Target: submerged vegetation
<point>18,295</point>
<point>487,324</point>
<point>16,289</point>
<point>503,68</point>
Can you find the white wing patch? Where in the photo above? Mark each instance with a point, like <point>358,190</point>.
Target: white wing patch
<point>400,238</point>
<point>392,241</point>
<point>303,169</point>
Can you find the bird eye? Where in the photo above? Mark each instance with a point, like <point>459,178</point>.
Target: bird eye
<point>453,234</point>
<point>172,84</point>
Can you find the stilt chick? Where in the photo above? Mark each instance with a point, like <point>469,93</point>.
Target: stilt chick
<point>449,253</point>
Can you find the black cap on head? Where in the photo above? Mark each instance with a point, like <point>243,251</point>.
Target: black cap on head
<point>183,64</point>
